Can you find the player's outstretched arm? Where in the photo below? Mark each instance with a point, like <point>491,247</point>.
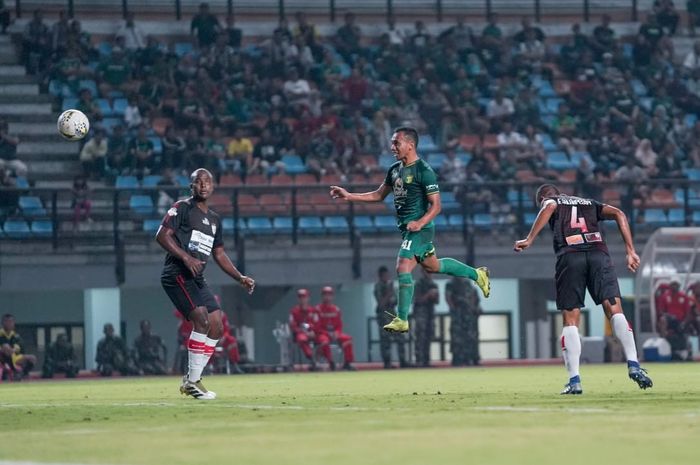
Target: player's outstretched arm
<point>378,195</point>
<point>164,237</point>
<point>225,263</point>
<point>613,213</point>
<point>542,219</point>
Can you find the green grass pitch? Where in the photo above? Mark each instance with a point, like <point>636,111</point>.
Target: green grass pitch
<point>439,416</point>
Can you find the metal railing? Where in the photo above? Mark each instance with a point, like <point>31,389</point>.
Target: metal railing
<point>333,9</point>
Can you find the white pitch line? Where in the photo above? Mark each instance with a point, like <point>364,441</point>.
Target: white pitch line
<point>507,408</point>
<point>12,462</point>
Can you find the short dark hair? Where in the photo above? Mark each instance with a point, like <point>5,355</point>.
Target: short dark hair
<point>409,132</point>
<point>382,269</point>
<point>546,190</point>
<point>7,316</point>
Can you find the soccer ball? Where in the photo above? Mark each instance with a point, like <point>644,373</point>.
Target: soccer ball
<point>73,125</point>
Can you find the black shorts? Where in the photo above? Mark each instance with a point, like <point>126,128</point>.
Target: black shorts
<point>576,271</point>
<point>188,293</point>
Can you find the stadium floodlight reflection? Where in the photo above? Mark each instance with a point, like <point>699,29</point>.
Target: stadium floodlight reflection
<point>670,254</point>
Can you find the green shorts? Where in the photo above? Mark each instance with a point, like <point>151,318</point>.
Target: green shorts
<point>418,245</point>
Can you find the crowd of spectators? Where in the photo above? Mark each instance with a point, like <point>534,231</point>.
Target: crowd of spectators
<point>616,109</point>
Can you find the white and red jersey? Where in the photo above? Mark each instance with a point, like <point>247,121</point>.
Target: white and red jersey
<point>329,318</point>
<point>676,304</point>
<point>298,316</point>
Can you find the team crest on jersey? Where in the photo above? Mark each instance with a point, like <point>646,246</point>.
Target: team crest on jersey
<point>172,212</point>
<point>399,190</point>
<point>409,179</point>
<point>206,221</point>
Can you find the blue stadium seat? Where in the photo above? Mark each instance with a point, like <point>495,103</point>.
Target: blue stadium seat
<point>336,224</point>
<point>696,217</point>
<point>293,164</point>
<point>639,88</point>
<point>151,180</point>
<point>676,216</point>
<point>21,182</point>
<point>483,220</point>
<point>559,161</point>
<point>465,157</point>
<point>227,224</point>
<point>105,107</point>
<point>655,216</point>
<point>448,201</point>
<point>16,229</point>
<point>385,223</point>
<point>119,106</point>
<point>90,85</point>
<point>282,224</point>
<point>385,161</point>
<point>311,225</point>
<point>692,173</point>
<point>141,204</point>
<point>436,160</point>
<point>104,49</point>
<point>182,180</point>
<point>108,124</point>
<point>157,144</point>
<point>627,50</point>
<point>456,221</point>
<point>69,103</point>
<point>647,103</point>
<point>60,89</point>
<point>183,48</point>
<point>127,182</point>
<point>260,225</point>
<point>547,143</point>
<point>690,119</point>
<point>151,226</point>
<point>426,144</point>
<point>552,105</point>
<point>42,228</point>
<point>31,206</point>
<point>529,218</point>
<point>364,223</point>
<point>441,223</point>
<point>114,94</point>
<point>546,90</point>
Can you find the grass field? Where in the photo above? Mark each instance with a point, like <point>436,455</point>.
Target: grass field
<point>439,416</point>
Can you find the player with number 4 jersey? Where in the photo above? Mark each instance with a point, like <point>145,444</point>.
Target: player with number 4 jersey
<point>417,201</point>
<point>583,262</point>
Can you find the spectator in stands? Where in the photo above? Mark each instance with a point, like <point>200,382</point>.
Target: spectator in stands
<point>651,30</point>
<point>629,176</point>
<point>329,330</point>
<point>168,190</point>
<point>150,351</point>
<point>134,38</point>
<point>420,40</point>
<point>279,131</point>
<point>233,34</point>
<point>141,153</point>
<point>674,317</point>
<point>347,38</point>
<point>492,35</point>
<point>115,73</point>
<point>461,37</point>
<point>603,39</point>
<point>9,200</point>
<point>522,35</point>
<point>499,109</point>
<point>565,127</point>
<point>8,151</point>
<point>132,114</point>
<point>667,165</point>
<point>322,154</point>
<point>36,43</point>
<point>303,319</point>
<point>59,33</point>
<point>216,150</point>
<point>81,200</point>
<point>666,14</point>
<point>205,26</point>
<point>308,31</point>
<point>5,18</point>
<point>60,358</point>
<point>11,350</point>
<point>646,157</point>
<point>118,157</point>
<point>239,154</point>
<point>88,105</point>
<point>510,142</point>
<point>239,107</point>
<point>296,89</point>
<point>80,41</point>
<point>266,156</point>
<point>174,149</point>
<point>112,354</point>
<point>693,9</point>
<point>453,169</point>
<point>92,155</point>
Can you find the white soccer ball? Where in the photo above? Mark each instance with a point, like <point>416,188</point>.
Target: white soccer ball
<point>73,125</point>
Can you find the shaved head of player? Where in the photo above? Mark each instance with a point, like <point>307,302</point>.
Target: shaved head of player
<point>583,262</point>
<point>190,233</point>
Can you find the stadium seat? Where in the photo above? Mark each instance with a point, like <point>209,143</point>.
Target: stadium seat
<point>426,144</point>
<point>385,161</point>
<point>227,224</point>
<point>364,223</point>
<point>455,221</point>
<point>151,226</point>
<point>441,223</point>
<point>221,204</point>
<point>105,107</point>
<point>157,144</point>
<point>293,164</point>
<point>108,124</point>
<point>69,103</point>
<point>336,224</point>
<point>638,87</point>
<point>465,157</point>
<point>21,182</point>
<point>151,180</point>
<point>548,144</point>
<point>127,182</point>
<point>260,225</point>
<point>655,216</point>
<point>256,179</point>
<point>90,85</point>
<point>248,204</point>
<point>529,218</point>
<point>104,48</point>
<point>693,174</point>
<point>281,180</point>
<point>119,106</point>
<point>436,160</point>
<point>448,201</point>
<point>282,224</point>
<point>141,204</point>
<point>305,179</point>
<point>31,206</point>
<point>690,119</point>
<point>230,180</point>
<point>385,223</point>
<point>696,217</point>
<point>559,161</point>
<point>183,48</point>
<point>16,229</point>
<point>182,180</point>
<point>274,203</point>
<point>311,225</point>
<point>42,228</point>
<point>60,89</point>
<point>676,216</point>
<point>483,220</point>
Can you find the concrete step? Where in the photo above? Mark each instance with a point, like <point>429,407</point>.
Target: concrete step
<point>25,108</point>
<point>18,79</point>
<point>32,128</point>
<point>8,59</point>
<point>12,70</point>
<point>5,39</point>
<point>22,98</point>
<point>54,170</point>
<point>40,118</point>
<point>18,89</point>
<point>7,49</point>
<point>48,149</point>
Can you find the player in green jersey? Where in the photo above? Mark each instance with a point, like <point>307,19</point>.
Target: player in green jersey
<point>417,201</point>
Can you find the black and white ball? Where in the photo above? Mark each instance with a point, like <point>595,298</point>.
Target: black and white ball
<point>73,125</point>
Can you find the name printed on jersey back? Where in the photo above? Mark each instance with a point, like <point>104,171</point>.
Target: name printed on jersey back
<point>200,242</point>
<point>573,201</point>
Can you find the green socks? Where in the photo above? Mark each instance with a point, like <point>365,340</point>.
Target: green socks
<point>453,267</point>
<point>405,295</point>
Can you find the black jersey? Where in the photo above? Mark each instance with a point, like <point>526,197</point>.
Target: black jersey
<point>576,224</point>
<point>196,232</point>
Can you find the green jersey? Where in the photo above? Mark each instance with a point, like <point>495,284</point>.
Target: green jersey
<point>412,185</point>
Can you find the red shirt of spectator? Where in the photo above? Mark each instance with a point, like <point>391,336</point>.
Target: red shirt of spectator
<point>675,303</point>
<point>302,322</point>
<point>330,328</point>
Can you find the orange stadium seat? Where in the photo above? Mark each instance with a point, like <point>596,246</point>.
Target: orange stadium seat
<point>281,180</point>
<point>611,196</point>
<point>468,142</point>
<point>230,180</point>
<point>323,203</point>
<point>662,198</point>
<point>221,204</point>
<point>330,179</point>
<point>248,205</point>
<point>568,176</point>
<point>305,179</point>
<point>256,179</point>
<point>161,124</point>
<point>274,203</point>
<point>490,141</point>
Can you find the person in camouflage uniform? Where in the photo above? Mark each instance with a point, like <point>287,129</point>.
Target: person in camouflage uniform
<point>463,301</point>
<point>60,358</point>
<point>426,297</point>
<point>149,350</point>
<point>113,355</point>
<point>385,295</point>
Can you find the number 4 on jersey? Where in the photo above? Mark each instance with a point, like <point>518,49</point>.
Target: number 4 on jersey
<point>576,222</point>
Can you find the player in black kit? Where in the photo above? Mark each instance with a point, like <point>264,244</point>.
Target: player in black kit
<point>190,233</point>
<point>583,262</point>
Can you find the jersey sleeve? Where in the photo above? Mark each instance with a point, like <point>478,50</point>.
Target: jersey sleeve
<point>599,210</point>
<point>174,216</point>
<point>218,235</point>
<point>387,179</point>
<point>429,181</point>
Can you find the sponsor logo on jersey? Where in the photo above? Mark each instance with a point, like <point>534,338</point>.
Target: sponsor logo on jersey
<point>399,190</point>
<point>200,242</point>
<point>431,187</point>
<point>172,212</point>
